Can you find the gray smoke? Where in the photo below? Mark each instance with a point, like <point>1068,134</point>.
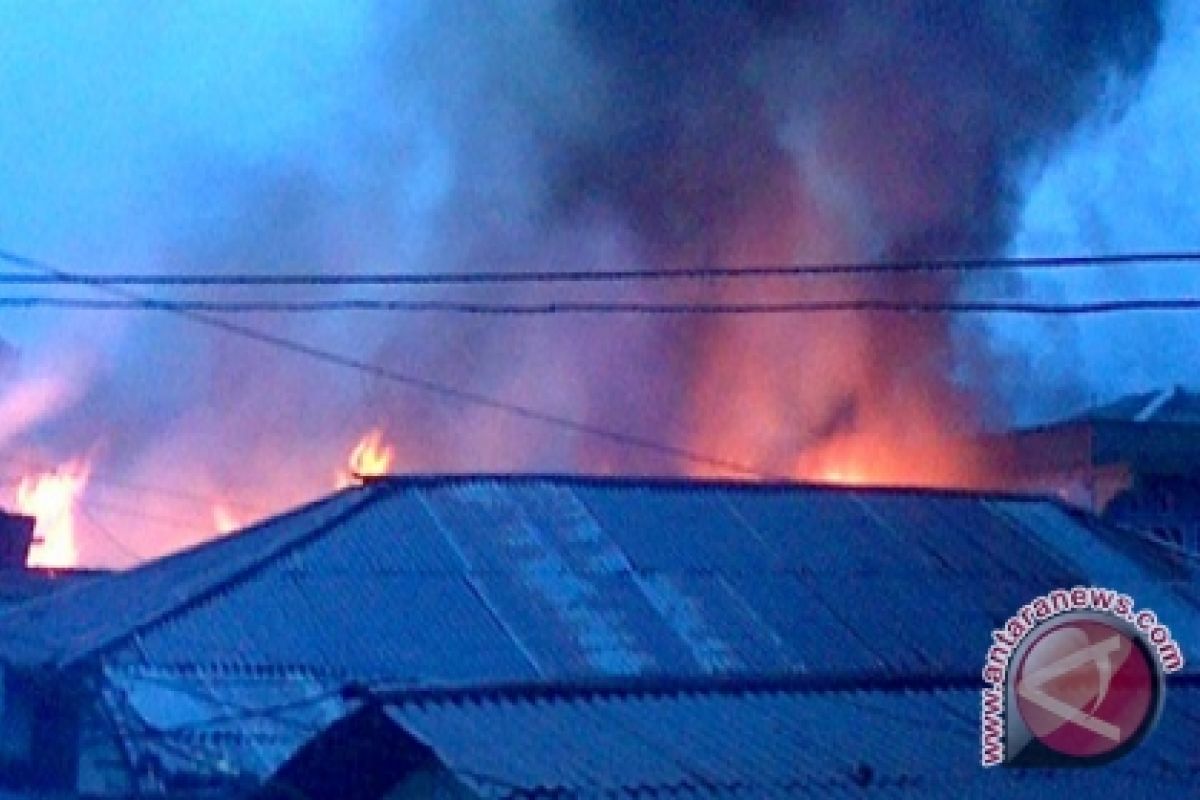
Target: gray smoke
<point>532,134</point>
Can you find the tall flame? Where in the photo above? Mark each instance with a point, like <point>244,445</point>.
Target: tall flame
<point>371,457</point>
<point>51,498</point>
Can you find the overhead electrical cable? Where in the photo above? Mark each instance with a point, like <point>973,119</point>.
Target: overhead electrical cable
<point>719,272</point>
<point>584,307</point>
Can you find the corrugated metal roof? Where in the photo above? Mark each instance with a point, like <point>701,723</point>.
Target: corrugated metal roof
<point>760,742</point>
<point>24,584</point>
<point>453,580</point>
<point>458,581</point>
<point>82,619</point>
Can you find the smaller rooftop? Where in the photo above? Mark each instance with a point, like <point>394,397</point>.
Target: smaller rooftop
<point>1173,405</point>
<point>707,739</point>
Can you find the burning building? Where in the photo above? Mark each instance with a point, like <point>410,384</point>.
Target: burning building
<point>1135,460</point>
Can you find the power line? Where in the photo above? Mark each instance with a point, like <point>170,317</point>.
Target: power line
<point>419,383</point>
<point>900,267</point>
<point>112,538</point>
<point>576,307</point>
<point>118,509</point>
<point>206,500</point>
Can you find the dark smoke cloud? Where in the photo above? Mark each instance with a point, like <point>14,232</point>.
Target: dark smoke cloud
<point>606,134</point>
<point>927,109</point>
<point>755,131</point>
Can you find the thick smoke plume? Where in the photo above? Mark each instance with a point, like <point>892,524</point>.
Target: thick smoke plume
<point>604,135</point>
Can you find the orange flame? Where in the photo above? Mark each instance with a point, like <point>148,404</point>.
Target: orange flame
<point>371,457</point>
<point>884,456</point>
<point>223,519</point>
<point>51,497</point>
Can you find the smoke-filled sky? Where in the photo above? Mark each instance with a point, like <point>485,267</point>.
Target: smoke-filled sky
<point>449,135</point>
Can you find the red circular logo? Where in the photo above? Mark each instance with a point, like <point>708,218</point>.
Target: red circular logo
<point>1086,688</point>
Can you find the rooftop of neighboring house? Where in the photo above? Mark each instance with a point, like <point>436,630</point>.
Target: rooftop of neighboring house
<point>1171,405</point>
<point>1151,433</point>
<point>18,582</point>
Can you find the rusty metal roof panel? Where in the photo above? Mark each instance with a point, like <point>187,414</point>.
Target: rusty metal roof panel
<point>547,572</point>
<point>580,624</point>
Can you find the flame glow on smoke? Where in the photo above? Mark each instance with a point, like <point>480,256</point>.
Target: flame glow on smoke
<point>52,498</point>
<point>224,520</point>
<point>371,457</point>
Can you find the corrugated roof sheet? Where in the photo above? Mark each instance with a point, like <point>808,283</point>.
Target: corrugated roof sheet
<point>82,619</point>
<point>24,584</point>
<point>454,580</point>
<point>762,742</point>
<point>216,725</point>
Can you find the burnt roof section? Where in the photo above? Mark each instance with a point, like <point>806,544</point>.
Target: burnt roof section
<point>458,580</point>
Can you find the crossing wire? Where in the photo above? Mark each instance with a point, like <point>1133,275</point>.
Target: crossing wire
<point>605,308</point>
<point>415,382</point>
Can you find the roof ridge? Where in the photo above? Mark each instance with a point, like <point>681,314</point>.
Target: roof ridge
<point>693,483</point>
<point>660,685</point>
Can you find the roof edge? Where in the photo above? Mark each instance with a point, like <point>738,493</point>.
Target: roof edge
<point>244,571</point>
<point>684,482</point>
<point>668,685</point>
